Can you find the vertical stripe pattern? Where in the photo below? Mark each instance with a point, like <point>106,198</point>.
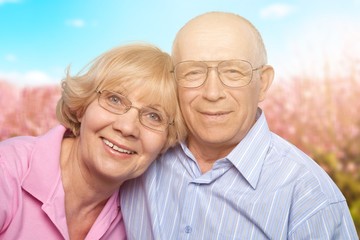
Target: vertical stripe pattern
<point>265,188</point>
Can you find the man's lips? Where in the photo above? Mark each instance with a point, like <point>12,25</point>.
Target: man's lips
<point>212,113</point>
<point>117,148</point>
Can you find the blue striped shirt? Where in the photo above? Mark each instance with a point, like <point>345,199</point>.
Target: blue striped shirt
<point>265,188</point>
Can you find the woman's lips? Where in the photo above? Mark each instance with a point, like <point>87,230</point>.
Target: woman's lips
<point>117,148</point>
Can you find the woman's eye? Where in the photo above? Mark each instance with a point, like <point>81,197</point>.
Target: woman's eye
<point>114,100</point>
<point>154,117</point>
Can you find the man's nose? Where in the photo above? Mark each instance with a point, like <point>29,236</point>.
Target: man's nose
<point>213,87</point>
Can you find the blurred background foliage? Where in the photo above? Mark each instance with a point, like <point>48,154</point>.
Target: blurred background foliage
<point>319,116</point>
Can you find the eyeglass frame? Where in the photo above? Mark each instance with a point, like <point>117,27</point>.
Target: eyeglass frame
<point>218,74</point>
<point>128,107</point>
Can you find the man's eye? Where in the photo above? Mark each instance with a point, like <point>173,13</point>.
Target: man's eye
<point>232,73</point>
<point>194,74</point>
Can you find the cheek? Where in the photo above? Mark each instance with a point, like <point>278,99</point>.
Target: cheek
<point>94,118</point>
<point>186,97</point>
<point>153,143</point>
<point>246,104</point>
<point>182,97</point>
<point>246,96</point>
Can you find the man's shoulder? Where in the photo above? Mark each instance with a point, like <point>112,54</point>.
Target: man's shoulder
<point>163,164</point>
<point>307,173</point>
<point>172,151</point>
<point>172,154</point>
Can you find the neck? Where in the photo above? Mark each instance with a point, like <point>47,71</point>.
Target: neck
<point>206,154</point>
<point>84,196</point>
<point>77,179</point>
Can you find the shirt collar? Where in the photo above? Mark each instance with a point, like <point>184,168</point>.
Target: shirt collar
<point>44,165</point>
<point>249,155</point>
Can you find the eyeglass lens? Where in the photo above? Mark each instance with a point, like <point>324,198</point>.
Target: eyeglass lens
<point>117,103</point>
<point>233,73</point>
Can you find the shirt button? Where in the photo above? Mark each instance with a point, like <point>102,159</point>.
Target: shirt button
<point>188,229</point>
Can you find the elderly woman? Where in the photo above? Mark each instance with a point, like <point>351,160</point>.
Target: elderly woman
<point>116,117</point>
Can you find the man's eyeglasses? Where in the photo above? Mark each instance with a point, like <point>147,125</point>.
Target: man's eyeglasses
<point>150,117</point>
<point>232,73</point>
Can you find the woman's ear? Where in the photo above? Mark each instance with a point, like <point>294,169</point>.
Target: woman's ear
<point>266,79</point>
<point>79,116</point>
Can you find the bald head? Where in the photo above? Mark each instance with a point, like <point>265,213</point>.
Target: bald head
<point>219,35</point>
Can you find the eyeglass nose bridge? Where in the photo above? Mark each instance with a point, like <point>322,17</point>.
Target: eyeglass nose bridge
<point>208,68</point>
<point>128,107</point>
<point>139,110</point>
<point>140,119</point>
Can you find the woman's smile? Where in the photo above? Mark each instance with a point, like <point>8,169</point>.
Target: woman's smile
<point>117,148</point>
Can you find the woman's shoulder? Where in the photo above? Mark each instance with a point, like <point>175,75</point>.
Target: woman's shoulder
<point>15,153</point>
<point>17,146</point>
<point>23,145</point>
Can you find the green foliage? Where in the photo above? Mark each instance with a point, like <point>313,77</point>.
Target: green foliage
<point>322,118</point>
<point>348,182</point>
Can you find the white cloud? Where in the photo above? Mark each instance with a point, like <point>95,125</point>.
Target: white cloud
<point>30,78</point>
<point>77,23</point>
<point>9,1</point>
<point>276,11</point>
<point>10,57</point>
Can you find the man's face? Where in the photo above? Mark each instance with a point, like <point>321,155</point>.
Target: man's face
<point>218,117</point>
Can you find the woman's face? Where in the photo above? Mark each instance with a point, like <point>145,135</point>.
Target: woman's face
<point>116,147</point>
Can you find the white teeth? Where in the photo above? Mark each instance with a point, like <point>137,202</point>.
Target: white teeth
<point>116,148</point>
<point>110,144</point>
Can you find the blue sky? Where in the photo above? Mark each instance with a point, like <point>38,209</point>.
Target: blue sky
<point>39,39</point>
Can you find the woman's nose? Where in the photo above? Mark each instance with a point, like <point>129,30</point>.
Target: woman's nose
<point>128,123</point>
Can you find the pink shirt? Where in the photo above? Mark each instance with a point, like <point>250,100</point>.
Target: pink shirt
<point>32,196</point>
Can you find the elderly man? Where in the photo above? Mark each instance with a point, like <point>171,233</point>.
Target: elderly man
<point>232,178</point>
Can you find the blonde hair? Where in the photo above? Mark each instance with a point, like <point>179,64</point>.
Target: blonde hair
<point>138,67</point>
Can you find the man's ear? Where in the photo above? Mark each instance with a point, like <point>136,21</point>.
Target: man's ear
<point>266,79</point>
